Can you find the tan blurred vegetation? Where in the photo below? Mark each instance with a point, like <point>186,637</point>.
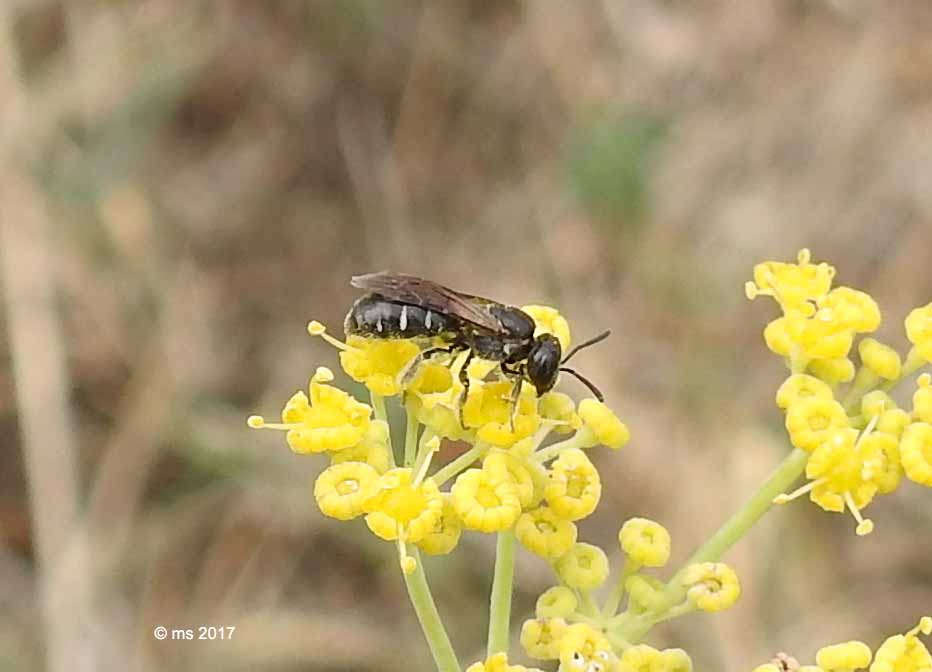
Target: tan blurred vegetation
<point>185,184</point>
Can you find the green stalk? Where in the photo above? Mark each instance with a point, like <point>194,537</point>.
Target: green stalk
<point>500,603</point>
<point>618,592</point>
<point>454,467</point>
<point>378,405</point>
<point>426,610</point>
<point>734,528</point>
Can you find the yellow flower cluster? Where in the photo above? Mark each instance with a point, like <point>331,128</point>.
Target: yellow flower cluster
<point>509,479</point>
<point>860,444</point>
<point>900,653</point>
<point>568,627</point>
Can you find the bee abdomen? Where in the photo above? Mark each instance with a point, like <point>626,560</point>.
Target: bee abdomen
<point>377,317</point>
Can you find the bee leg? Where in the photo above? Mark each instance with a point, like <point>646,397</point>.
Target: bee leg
<point>517,379</point>
<point>406,375</point>
<point>464,380</point>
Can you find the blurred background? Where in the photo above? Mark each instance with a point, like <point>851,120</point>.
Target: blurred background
<point>183,185</point>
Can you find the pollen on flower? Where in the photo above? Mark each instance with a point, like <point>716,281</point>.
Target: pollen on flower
<point>711,586</point>
<point>315,328</point>
<point>646,542</point>
<point>255,421</point>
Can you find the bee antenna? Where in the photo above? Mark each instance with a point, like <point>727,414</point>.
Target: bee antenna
<point>585,344</point>
<point>585,381</point>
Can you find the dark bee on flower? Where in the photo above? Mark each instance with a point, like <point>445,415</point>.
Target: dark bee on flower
<point>405,306</point>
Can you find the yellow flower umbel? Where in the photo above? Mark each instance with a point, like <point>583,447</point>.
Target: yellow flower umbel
<point>499,663</point>
<point>404,508</point>
<point>331,420</point>
<point>819,323</point>
<point>711,586</point>
<point>905,653</point>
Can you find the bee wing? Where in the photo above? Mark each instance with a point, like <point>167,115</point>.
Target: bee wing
<point>427,294</point>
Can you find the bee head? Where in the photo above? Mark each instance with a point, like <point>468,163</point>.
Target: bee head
<point>543,362</point>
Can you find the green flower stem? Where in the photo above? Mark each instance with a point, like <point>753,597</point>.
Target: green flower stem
<point>554,449</point>
<point>459,464</point>
<point>587,604</point>
<point>618,592</point>
<point>378,405</point>
<point>426,610</point>
<point>411,427</point>
<point>500,603</point>
<point>734,528</point>
<point>865,381</point>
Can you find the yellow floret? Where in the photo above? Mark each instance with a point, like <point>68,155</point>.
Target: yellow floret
<point>378,363</point>
<point>799,387</point>
<point>791,285</point>
<point>711,586</point>
<point>640,658</point>
<point>644,592</point>
<point>556,602</point>
<point>574,488</point>
<point>498,663</point>
<point>851,308</point>
<point>916,452</point>
<point>330,420</point>
<point>832,371</point>
<point>541,637</point>
<point>810,421</point>
<point>561,409</point>
<point>919,330</point>
<point>675,660</point>
<point>844,657</point>
<point>445,535</point>
<point>584,566</point>
<point>646,542</point>
<point>549,321</point>
<point>581,645</point>
<point>875,403</point>
<point>544,533</point>
<point>883,360</point>
<point>341,489</point>
<point>505,466</point>
<point>922,399</point>
<point>601,425</point>
<point>403,509</point>
<point>485,501</point>
<point>372,449</point>
<point>893,422</point>
<point>905,653</point>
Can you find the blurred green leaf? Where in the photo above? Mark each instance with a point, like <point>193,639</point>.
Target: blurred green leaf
<point>610,160</point>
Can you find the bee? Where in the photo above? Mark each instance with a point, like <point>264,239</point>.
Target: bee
<point>405,306</point>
